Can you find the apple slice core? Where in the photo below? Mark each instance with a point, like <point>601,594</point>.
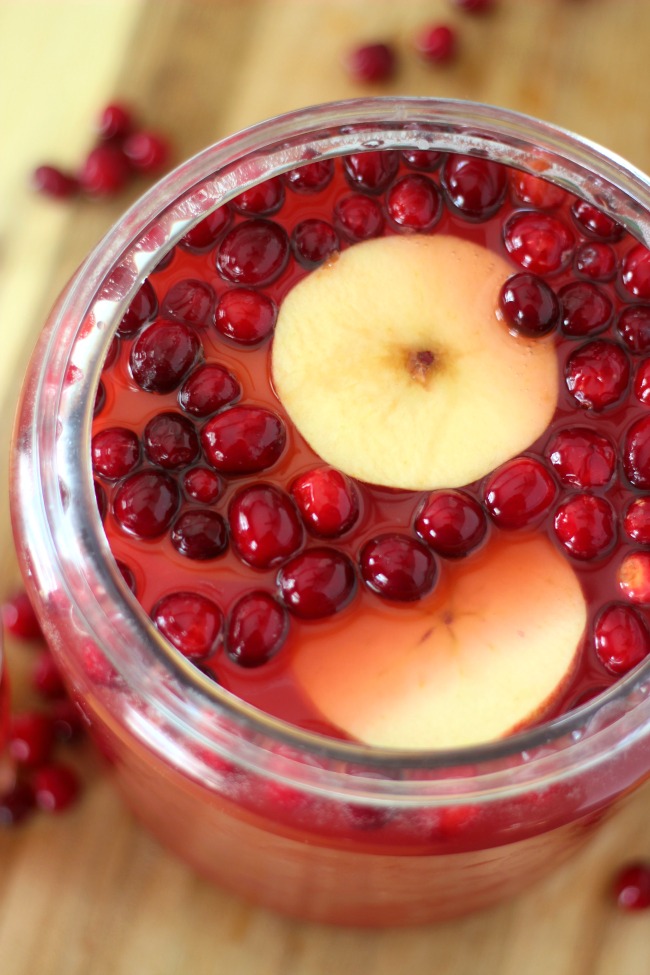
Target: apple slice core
<point>484,654</point>
<point>393,363</point>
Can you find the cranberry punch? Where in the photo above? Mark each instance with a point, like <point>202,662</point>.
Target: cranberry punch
<point>354,594</point>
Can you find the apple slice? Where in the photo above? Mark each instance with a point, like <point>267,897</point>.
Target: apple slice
<point>484,654</point>
<point>395,366</point>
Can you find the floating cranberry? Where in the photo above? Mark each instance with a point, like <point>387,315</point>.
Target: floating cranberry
<point>55,786</point>
<point>111,354</point>
<point>191,302</point>
<point>105,171</point>
<point>16,804</point>
<point>127,575</point>
<point>519,493</point>
<point>594,222</point>
<point>262,200</point>
<point>636,453</point>
<point>254,252</point>
<point>358,217</point>
<point>54,182</point>
<point>145,503</point>
<point>317,583</point>
<point>371,63</point>
<point>596,261</point>
<point>141,311</point>
<point>581,457</point>
<point>257,629</point>
<point>100,399</point>
<point>163,354</point>
<point>642,382</point>
<point>597,375</point>
<point>398,567</point>
<point>31,738</point>
<point>535,191</point>
<point>148,152</point>
<point>265,526</point>
<point>476,187</point>
<point>633,326</point>
<point>586,526</point>
<point>114,122</point>
<point>631,886</point>
<point>207,389</point>
<point>46,677</point>
<point>170,441</point>
<point>539,242</point>
<point>414,203</point>
<point>621,638</point>
<point>246,316</point>
<point>586,310</point>
<point>313,241</point>
<point>115,452</point>
<point>452,523</point>
<point>204,235</point>
<point>636,521</point>
<point>100,499</point>
<point>310,178</point>
<point>191,622</point>
<point>243,440</point>
<point>202,485</point>
<point>636,271</point>
<point>371,171</point>
<point>327,500</point>
<point>200,534</point>
<point>437,43</point>
<point>528,304</point>
<point>634,577</point>
<point>425,159</point>
<point>19,618</point>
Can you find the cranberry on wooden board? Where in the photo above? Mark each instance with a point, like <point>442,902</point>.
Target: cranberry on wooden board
<point>437,43</point>
<point>115,121</point>
<point>54,182</point>
<point>631,886</point>
<point>16,804</point>
<point>371,63</point>
<point>147,152</point>
<point>56,787</point>
<point>19,618</point>
<point>31,738</point>
<point>105,171</point>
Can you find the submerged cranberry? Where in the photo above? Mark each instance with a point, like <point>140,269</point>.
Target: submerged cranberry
<point>452,523</point>
<point>262,200</point>
<point>254,252</point>
<point>145,503</point>
<point>358,217</point>
<point>581,457</point>
<point>642,382</point>
<point>199,534</point>
<point>414,203</point>
<point>636,453</point>
<point>54,182</point>
<point>243,440</point>
<point>371,63</point>
<point>207,232</point>
<point>634,577</point>
<point>317,583</point>
<point>201,484</point>
<point>327,500</point>
<point>141,311</point>
<point>621,638</point>
<point>398,567</point>
<point>596,261</point>
<point>105,171</point>
<point>636,271</point>
<point>437,43</point>
<point>633,326</point>
<point>56,786</point>
<point>257,628</point>
<point>371,171</point>
<point>586,526</point>
<point>636,521</point>
<point>191,622</point>
<point>170,441</point>
<point>586,309</point>
<point>425,159</point>
<point>519,493</point>
<point>163,354</point>
<point>190,301</point>
<point>100,499</point>
<point>539,242</point>
<point>535,191</point>
<point>631,887</point>
<point>207,389</point>
<point>310,178</point>
<point>528,304</point>
<point>594,222</point>
<point>265,526</point>
<point>115,452</point>
<point>313,241</point>
<point>476,187</point>
<point>597,375</point>
<point>245,316</point>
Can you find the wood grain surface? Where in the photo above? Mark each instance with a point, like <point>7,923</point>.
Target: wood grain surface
<point>88,892</point>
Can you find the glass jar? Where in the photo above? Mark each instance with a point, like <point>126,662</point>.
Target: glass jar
<point>318,828</point>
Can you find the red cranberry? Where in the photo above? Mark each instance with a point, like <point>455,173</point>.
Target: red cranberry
<point>66,719</point>
<point>52,181</point>
<point>105,171</point>
<point>642,382</point>
<point>202,485</point>
<point>127,575</point>
<point>313,241</point>
<point>243,440</point>
<point>636,453</point>
<point>246,316</point>
<point>437,43</point>
<point>634,577</point>
<point>204,235</point>
<point>191,302</point>
<point>191,622</point>
<point>31,738</point>
<point>371,63</point>
<point>207,389</point>
<point>115,122</point>
<point>254,252</point>
<point>327,500</point>
<point>621,638</point>
<point>19,618</point>
<point>358,217</point>
<point>16,804</point>
<point>265,526</point>
<point>631,887</point>
<point>55,786</point>
<point>636,521</point>
<point>633,326</point>
<point>141,311</point>
<point>594,222</point>
<point>112,354</point>
<point>476,187</point>
<point>586,526</point>
<point>148,152</point>
<point>163,354</point>
<point>474,6</point>
<point>581,457</point>
<point>398,567</point>
<point>596,261</point>
<point>586,310</point>
<point>413,202</point>
<point>535,191</point>
<point>170,441</point>
<point>539,242</point>
<point>46,677</point>
<point>100,499</point>
<point>200,534</point>
<point>262,200</point>
<point>371,171</point>
<point>528,304</point>
<point>425,159</point>
<point>519,493</point>
<point>257,629</point>
<point>115,452</point>
<point>145,503</point>
<point>317,583</point>
<point>636,271</point>
<point>597,375</point>
<point>310,178</point>
<point>452,523</point>
<point>100,399</point>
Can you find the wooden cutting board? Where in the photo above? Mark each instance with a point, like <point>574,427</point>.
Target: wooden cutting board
<point>88,892</point>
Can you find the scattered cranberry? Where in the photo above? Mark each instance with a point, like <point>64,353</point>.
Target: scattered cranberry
<point>243,440</point>
<point>105,171</point>
<point>327,500</point>
<point>371,63</point>
<point>262,200</point>
<point>528,304</point>
<point>19,618</point>
<point>581,457</point>
<point>55,786</point>
<point>642,382</point>
<point>115,122</point>
<point>586,526</point>
<point>636,453</point>
<point>313,241</point>
<point>452,523</point>
<point>202,484</point>
<point>413,203</point>
<point>170,441</point>
<point>310,178</point>
<point>437,43</point>
<point>371,171</point>
<point>519,493</point>
<point>207,232</point>
<point>317,583</point>
<point>474,6</point>
<point>67,720</point>
<point>16,804</point>
<point>115,452</point>
<point>586,310</point>
<point>145,504</point>
<point>200,534</point>
<point>207,389</point>
<point>246,316</point>
<point>636,521</point>
<point>54,182</point>
<point>148,152</point>
<point>633,326</point>
<point>257,629</point>
<point>597,375</point>
<point>539,242</point>
<point>191,302</point>
<point>254,252</point>
<point>31,738</point>
<point>594,222</point>
<point>621,638</point>
<point>476,187</point>
<point>398,567</point>
<point>141,311</point>
<point>265,526</point>
<point>358,217</point>
<point>425,159</point>
<point>631,887</point>
<point>636,271</point>
<point>163,354</point>
<point>191,622</point>
<point>634,577</point>
<point>535,191</point>
<point>596,261</point>
<point>46,677</point>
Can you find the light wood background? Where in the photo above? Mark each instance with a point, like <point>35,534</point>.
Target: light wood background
<point>88,893</point>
